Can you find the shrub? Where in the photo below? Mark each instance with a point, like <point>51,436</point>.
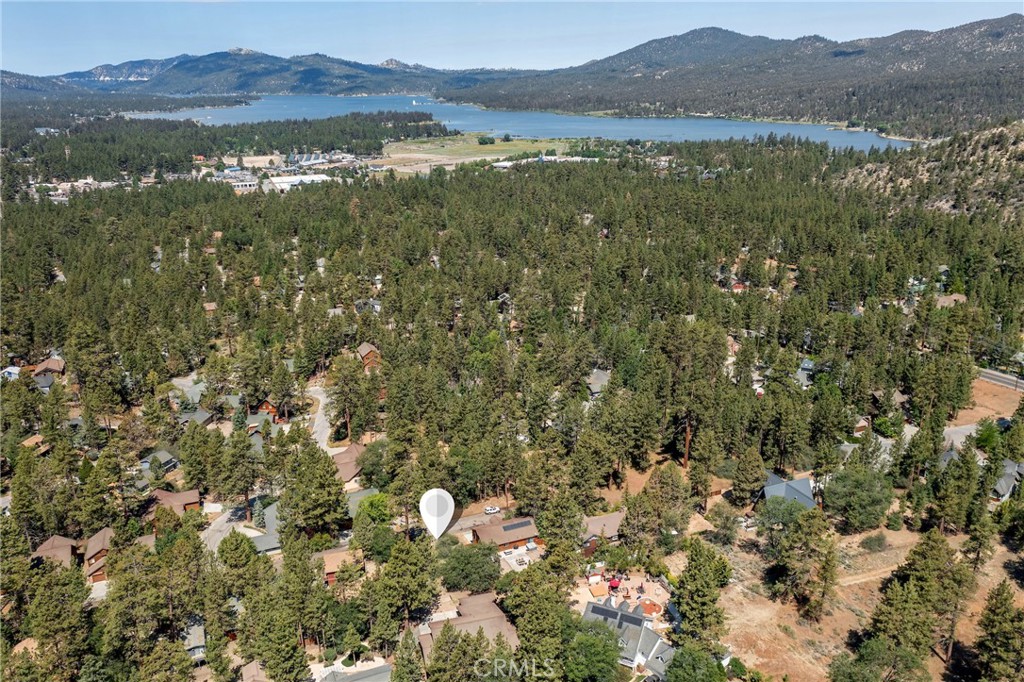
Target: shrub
<point>484,139</point>
<point>736,669</point>
<point>330,655</point>
<point>894,521</point>
<point>874,543</point>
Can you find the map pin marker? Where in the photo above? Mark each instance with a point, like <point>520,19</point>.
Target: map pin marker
<point>437,509</point>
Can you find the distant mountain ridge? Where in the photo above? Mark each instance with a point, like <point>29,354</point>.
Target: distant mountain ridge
<point>243,71</point>
<point>916,82</point>
<point>923,83</point>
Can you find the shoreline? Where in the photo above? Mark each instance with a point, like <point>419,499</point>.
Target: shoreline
<point>838,126</point>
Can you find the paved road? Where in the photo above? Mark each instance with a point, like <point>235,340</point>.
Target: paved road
<point>320,425</point>
<point>1007,380</point>
<point>953,435</point>
<point>221,526</point>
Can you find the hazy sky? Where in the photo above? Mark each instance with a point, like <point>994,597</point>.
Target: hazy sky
<point>42,37</point>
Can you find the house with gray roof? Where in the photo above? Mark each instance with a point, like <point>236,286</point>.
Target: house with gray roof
<point>198,415</point>
<point>597,381</point>
<point>356,497</point>
<point>1009,479</point>
<point>641,649</point>
<point>194,639</point>
<point>379,674</point>
<point>799,490</point>
<point>270,542</point>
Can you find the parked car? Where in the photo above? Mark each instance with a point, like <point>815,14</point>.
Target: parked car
<point>491,510</point>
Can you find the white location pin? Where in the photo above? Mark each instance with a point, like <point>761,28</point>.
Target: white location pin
<point>437,507</point>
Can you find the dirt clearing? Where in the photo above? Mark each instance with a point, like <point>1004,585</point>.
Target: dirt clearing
<point>990,400</point>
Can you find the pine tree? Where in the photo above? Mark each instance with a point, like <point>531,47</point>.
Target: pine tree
<point>352,397</point>
<point>240,469</point>
<point>313,501</point>
<point>167,662</point>
<point>639,524</point>
<point>1001,643</point>
<point>904,617</point>
<point>408,663</point>
<point>560,521</point>
<point>411,574</point>
<point>808,563</point>
<point>702,621</point>
<point>750,476</point>
<point>980,544</point>
<point>282,389</point>
<point>58,622</point>
<point>284,659</point>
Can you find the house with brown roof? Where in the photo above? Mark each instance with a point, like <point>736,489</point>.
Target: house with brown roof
<point>53,366</point>
<point>348,469</point>
<point>269,408</point>
<point>253,672</point>
<point>370,356</point>
<point>36,443</point>
<point>508,534</point>
<point>334,559</point>
<point>96,549</point>
<point>474,612</point>
<point>950,300</point>
<point>597,528</point>
<point>178,502</point>
<point>347,462</point>
<point>59,549</point>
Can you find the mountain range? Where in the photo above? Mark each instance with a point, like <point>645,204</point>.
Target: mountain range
<point>918,82</point>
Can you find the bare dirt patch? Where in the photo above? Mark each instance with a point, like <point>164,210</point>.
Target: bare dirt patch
<point>990,400</point>
<point>419,156</point>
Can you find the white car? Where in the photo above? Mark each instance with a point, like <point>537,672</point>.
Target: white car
<point>491,510</point>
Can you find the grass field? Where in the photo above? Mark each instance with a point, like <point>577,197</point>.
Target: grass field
<point>418,156</point>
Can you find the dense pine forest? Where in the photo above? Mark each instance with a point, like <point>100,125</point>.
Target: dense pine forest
<point>499,294</point>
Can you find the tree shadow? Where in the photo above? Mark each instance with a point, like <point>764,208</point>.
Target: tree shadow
<point>963,666</point>
<point>1015,569</point>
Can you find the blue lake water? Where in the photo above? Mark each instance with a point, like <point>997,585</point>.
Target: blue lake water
<point>528,124</point>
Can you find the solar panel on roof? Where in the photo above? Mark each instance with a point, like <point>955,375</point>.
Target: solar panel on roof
<point>605,612</point>
<point>517,524</point>
<point>631,620</point>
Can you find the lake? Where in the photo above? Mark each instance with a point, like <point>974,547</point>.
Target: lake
<point>528,124</point>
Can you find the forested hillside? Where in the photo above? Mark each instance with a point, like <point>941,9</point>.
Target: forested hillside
<point>915,83</point>
<point>499,294</point>
<point>980,172</point>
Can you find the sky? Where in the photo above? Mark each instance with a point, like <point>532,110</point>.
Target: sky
<point>41,37</point>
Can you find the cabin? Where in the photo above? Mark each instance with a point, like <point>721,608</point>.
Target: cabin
<point>597,382</point>
<point>369,355</point>
<point>600,528</point>
<point>59,549</point>
<point>51,366</point>
<point>862,426</point>
<point>37,444</point>
<point>270,409</point>
<point>253,672</point>
<point>178,502</point>
<point>472,614</point>
<point>334,560</point>
<point>1011,476</point>
<point>94,557</point>
<point>508,535</point>
<point>799,490</point>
